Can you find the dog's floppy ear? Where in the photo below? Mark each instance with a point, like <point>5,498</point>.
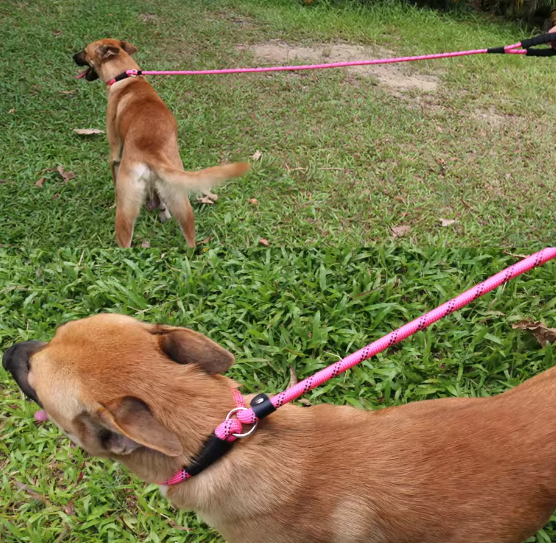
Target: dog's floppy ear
<point>107,51</point>
<point>128,48</point>
<point>185,346</point>
<point>133,424</point>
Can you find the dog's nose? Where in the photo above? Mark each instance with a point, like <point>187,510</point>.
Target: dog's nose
<point>79,58</point>
<point>16,361</point>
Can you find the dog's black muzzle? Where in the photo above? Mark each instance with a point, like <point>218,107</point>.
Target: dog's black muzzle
<point>17,361</point>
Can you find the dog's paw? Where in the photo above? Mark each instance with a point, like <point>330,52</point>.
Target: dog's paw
<point>205,200</point>
<point>210,195</point>
<point>164,216</point>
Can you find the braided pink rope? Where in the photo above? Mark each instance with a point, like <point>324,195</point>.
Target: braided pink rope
<point>537,259</point>
<point>509,49</point>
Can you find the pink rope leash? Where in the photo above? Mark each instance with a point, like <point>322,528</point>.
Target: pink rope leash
<point>513,49</point>
<point>230,429</point>
<point>537,259</point>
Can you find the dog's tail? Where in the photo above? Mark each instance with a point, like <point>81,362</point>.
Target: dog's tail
<point>202,180</point>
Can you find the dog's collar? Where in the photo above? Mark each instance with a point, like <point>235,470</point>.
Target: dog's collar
<point>125,75</point>
<point>222,439</point>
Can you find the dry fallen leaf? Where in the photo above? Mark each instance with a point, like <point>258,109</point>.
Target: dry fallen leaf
<point>11,110</point>
<point>87,131</point>
<point>304,402</point>
<point>542,334</point>
<point>264,242</point>
<point>33,493</point>
<point>253,201</point>
<point>66,176</point>
<point>293,378</point>
<point>69,509</point>
<point>400,231</point>
<point>55,197</point>
<point>40,182</point>
<point>205,200</point>
<point>67,92</point>
<point>447,222</point>
<point>256,156</point>
<point>146,244</point>
<point>206,240</point>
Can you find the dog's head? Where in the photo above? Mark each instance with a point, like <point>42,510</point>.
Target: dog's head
<point>104,58</point>
<point>119,387</point>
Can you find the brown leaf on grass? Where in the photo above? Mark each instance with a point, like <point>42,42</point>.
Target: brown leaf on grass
<point>40,182</point>
<point>12,110</point>
<point>304,402</point>
<point>206,240</point>
<point>293,378</point>
<point>542,334</point>
<point>146,244</point>
<point>66,176</point>
<point>33,493</point>
<point>67,92</point>
<point>447,222</point>
<point>400,231</point>
<point>88,131</point>
<point>253,201</point>
<point>3,181</point>
<point>69,509</point>
<point>205,200</point>
<point>264,242</point>
<point>256,156</point>
<point>177,526</point>
<point>56,196</point>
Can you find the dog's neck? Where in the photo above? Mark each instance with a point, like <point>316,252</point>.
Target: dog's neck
<point>110,70</point>
<point>192,412</point>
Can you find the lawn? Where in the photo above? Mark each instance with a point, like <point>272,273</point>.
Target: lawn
<point>345,157</point>
<point>274,309</point>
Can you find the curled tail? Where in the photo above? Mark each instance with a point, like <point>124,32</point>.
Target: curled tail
<point>178,180</point>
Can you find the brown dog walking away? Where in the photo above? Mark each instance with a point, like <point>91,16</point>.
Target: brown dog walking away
<point>454,470</point>
<point>144,154</point>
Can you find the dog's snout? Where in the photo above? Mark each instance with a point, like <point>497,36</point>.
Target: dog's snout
<point>16,361</point>
<point>79,59</point>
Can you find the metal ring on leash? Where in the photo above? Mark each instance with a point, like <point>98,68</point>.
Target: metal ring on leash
<point>235,410</point>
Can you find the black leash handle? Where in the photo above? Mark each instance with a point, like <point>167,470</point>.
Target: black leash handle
<point>538,40</point>
<point>528,44</point>
<point>540,52</point>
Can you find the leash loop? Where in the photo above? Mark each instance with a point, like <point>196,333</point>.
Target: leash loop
<point>245,434</point>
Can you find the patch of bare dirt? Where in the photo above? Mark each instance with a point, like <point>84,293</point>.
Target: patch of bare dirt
<point>146,17</point>
<point>394,76</point>
<point>491,118</point>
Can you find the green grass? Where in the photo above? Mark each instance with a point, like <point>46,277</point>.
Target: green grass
<point>344,160</point>
<point>273,308</point>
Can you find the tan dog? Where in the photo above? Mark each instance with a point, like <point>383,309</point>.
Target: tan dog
<point>144,154</point>
<point>457,470</point>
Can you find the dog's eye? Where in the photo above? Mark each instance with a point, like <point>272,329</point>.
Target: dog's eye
<point>104,436</point>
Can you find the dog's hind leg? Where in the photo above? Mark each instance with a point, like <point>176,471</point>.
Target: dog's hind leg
<point>130,195</point>
<point>181,209</point>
